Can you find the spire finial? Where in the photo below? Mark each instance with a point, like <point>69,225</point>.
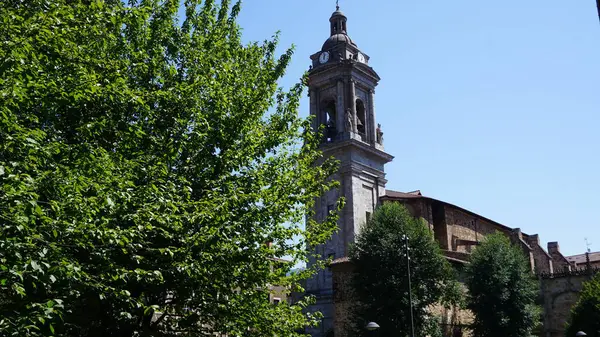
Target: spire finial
<point>337,5</point>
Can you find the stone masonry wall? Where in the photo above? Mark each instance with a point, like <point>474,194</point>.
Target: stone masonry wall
<point>560,294</point>
<point>543,261</point>
<point>343,299</point>
<point>464,229</point>
<point>559,261</point>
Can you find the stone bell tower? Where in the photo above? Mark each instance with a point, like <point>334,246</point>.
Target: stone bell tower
<point>342,93</point>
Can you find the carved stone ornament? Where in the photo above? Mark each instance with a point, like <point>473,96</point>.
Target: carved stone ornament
<point>379,134</point>
<point>349,121</point>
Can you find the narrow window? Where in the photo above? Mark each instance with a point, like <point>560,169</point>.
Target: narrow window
<point>330,116</point>
<point>360,114</point>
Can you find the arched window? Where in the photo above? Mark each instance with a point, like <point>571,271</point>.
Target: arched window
<point>361,118</point>
<point>329,119</point>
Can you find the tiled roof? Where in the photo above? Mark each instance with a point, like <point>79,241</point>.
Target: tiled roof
<point>396,194</point>
<point>581,259</point>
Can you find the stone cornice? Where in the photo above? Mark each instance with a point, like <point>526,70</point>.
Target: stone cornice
<point>333,147</point>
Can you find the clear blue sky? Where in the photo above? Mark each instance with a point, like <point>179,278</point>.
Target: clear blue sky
<point>490,105</point>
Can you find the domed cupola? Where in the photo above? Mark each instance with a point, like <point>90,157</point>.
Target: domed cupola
<point>339,47</point>
<point>338,29</point>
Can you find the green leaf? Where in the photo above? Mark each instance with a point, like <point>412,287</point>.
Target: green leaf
<point>144,147</point>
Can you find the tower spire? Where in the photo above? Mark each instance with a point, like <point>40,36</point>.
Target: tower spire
<point>337,5</point>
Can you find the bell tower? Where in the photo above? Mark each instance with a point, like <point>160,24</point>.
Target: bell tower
<point>342,93</point>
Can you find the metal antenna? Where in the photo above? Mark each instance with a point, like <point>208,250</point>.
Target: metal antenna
<point>588,244</point>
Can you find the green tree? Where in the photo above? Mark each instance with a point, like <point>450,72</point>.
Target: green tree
<point>585,315</point>
<point>502,290</point>
<point>380,280</point>
<point>143,172</point>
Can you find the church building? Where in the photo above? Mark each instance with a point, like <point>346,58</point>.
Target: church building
<point>342,101</point>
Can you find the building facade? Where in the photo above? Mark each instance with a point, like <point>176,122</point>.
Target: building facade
<point>342,102</point>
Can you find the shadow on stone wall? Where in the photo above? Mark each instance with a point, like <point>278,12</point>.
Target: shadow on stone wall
<point>560,292</point>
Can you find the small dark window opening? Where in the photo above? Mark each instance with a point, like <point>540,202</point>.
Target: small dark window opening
<point>360,114</point>
<point>330,119</point>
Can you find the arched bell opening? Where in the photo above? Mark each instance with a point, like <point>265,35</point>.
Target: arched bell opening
<point>329,119</point>
<point>361,122</point>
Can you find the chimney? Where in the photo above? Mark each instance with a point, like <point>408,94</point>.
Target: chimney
<point>553,247</point>
<point>533,240</point>
<point>518,233</point>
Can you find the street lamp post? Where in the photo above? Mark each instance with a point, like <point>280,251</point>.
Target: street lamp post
<point>407,249</point>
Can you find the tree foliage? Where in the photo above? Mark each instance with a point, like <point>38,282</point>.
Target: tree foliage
<point>142,172</point>
<point>380,280</point>
<point>585,315</point>
<point>502,290</point>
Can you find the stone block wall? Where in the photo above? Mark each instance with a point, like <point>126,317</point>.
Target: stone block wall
<point>542,260</point>
<point>560,263</point>
<point>454,321</point>
<point>343,299</point>
<point>560,294</point>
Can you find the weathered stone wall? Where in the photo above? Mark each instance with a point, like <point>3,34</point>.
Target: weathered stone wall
<point>454,321</point>
<point>559,261</point>
<point>343,299</point>
<point>560,294</point>
<point>465,230</point>
<point>458,232</point>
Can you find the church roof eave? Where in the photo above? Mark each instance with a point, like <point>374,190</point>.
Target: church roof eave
<point>395,195</point>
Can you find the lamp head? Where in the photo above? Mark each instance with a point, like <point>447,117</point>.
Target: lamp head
<point>371,326</point>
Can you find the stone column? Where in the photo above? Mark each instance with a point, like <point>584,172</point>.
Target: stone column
<point>353,103</point>
<point>373,127</point>
<point>339,107</point>
<point>314,110</point>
